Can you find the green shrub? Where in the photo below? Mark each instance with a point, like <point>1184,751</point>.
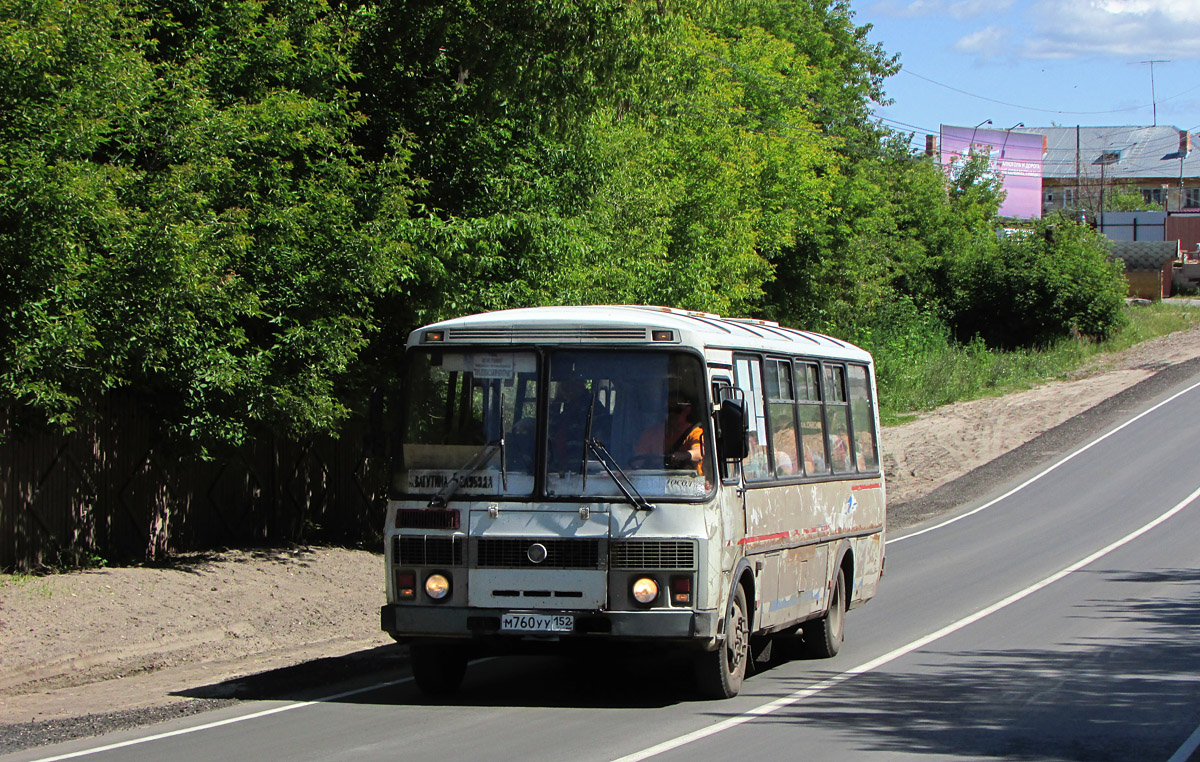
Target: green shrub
<point>1036,285</point>
<point>923,375</point>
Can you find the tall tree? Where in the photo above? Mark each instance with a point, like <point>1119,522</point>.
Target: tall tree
<point>203,231</point>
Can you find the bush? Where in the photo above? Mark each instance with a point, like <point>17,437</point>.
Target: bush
<point>1036,285</point>
<point>905,341</point>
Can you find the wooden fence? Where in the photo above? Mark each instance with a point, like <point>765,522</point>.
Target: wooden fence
<point>115,490</point>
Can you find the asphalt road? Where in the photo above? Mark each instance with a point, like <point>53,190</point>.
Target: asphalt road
<point>1056,618</point>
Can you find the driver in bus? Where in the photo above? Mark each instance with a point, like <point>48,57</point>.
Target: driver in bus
<point>680,439</point>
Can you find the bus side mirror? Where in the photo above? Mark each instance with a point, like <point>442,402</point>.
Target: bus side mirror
<point>733,435</point>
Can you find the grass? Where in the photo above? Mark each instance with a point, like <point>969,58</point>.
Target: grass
<point>29,582</point>
<point>956,372</point>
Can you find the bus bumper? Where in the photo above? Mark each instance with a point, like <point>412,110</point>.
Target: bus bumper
<point>403,622</point>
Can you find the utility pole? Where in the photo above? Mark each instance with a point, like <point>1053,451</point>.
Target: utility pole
<point>1079,193</point>
<point>1153,99</point>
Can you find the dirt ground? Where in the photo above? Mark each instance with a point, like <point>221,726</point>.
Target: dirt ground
<point>112,640</point>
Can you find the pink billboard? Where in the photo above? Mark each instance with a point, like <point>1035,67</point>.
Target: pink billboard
<point>1014,157</point>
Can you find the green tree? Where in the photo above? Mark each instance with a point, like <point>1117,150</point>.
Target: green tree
<point>1124,198</point>
<point>708,171</point>
<point>186,215</point>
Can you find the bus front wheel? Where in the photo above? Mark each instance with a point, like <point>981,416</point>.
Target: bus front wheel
<point>719,673</point>
<point>438,667</point>
<point>823,637</point>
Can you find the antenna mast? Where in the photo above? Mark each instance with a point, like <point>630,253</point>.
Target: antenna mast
<point>1153,99</point>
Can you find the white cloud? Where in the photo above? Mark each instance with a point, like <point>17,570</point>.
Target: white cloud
<point>989,42</point>
<point>1122,28</point>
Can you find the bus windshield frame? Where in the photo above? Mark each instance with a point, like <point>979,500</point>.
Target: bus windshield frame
<point>554,423</point>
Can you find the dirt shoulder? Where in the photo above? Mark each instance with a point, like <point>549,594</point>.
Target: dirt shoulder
<point>140,641</point>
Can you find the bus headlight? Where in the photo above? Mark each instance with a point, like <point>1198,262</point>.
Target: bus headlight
<point>437,586</point>
<point>645,590</point>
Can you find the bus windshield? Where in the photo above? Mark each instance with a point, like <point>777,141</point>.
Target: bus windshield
<point>645,410</point>
<point>472,424</point>
<point>470,415</point>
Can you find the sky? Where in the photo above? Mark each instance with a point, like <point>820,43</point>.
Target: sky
<point>1037,62</point>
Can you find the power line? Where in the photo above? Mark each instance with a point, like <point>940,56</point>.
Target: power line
<point>1042,110</point>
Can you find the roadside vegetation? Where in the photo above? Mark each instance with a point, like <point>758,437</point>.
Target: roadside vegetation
<point>940,371</point>
<point>235,210</point>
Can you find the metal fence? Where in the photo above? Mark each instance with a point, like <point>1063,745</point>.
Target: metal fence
<point>116,490</point>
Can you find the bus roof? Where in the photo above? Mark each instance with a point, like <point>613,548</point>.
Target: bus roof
<point>627,324</point>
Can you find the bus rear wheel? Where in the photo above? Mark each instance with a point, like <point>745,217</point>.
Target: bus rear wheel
<point>823,637</point>
<point>719,673</point>
<point>438,667</point>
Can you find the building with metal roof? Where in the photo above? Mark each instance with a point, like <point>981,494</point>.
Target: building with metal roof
<point>1079,161</point>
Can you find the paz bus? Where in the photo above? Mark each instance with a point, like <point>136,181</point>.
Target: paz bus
<point>630,474</point>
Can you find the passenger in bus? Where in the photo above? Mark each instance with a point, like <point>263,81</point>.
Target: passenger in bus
<point>865,446</point>
<point>814,458</point>
<point>680,439</point>
<point>755,463</point>
<point>785,453</point>
<point>840,453</point>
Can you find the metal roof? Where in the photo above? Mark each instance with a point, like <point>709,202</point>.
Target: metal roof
<point>633,323</point>
<point>1134,152</point>
<point>1144,255</point>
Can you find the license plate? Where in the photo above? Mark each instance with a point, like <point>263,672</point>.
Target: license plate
<point>513,622</point>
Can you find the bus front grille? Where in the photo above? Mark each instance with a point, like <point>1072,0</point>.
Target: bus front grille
<point>653,554</point>
<point>514,553</point>
<point>424,550</point>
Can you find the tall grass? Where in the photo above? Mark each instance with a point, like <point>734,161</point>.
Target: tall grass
<point>933,370</point>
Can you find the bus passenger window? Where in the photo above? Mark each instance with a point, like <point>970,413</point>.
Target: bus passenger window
<point>839,440</point>
<point>782,410</point>
<point>812,435</point>
<point>748,377</point>
<point>862,418</point>
<point>812,422</point>
<point>840,452</point>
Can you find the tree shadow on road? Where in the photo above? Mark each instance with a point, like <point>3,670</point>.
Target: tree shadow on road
<point>1118,694</point>
<point>1121,694</point>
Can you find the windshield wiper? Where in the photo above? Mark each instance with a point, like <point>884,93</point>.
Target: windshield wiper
<point>587,437</point>
<point>481,456</point>
<point>605,458</point>
<point>625,484</point>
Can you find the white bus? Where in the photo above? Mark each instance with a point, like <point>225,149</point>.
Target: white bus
<point>638,474</point>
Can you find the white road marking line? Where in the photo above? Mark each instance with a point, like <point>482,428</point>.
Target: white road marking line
<point>1052,467</point>
<point>1185,752</point>
<point>222,723</point>
<point>891,656</point>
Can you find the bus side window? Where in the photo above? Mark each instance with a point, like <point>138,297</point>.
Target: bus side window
<point>748,378</point>
<point>862,419</point>
<point>782,411</point>
<point>722,389</point>
<point>838,415</point>
<point>812,421</point>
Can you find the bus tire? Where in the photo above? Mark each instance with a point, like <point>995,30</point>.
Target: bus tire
<point>719,673</point>
<point>823,637</point>
<point>438,668</point>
